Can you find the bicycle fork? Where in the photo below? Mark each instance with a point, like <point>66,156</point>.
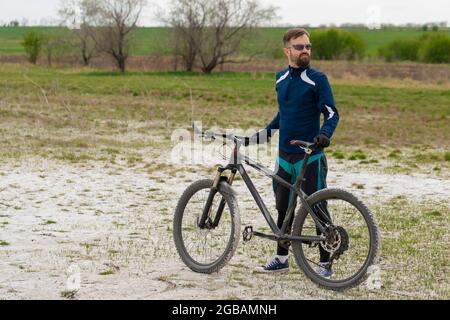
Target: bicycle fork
<point>204,222</point>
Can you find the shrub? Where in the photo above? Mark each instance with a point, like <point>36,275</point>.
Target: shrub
<point>430,48</point>
<point>32,42</point>
<point>274,51</point>
<point>435,49</point>
<point>56,45</point>
<point>354,46</point>
<point>401,49</point>
<point>338,155</point>
<point>447,156</point>
<point>334,44</point>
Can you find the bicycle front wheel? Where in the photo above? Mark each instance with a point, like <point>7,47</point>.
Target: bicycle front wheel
<point>208,249</point>
<point>352,245</point>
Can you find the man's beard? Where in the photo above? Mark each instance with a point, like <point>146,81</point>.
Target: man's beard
<point>303,60</point>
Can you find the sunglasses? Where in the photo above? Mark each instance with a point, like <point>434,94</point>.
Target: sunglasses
<point>300,47</point>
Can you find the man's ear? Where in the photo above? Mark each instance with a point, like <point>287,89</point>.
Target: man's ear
<point>286,52</point>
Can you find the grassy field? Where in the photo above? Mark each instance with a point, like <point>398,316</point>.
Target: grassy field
<point>11,37</point>
<point>78,120</point>
<point>154,40</point>
<point>375,113</point>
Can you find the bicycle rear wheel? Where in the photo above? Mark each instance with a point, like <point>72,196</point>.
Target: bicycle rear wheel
<point>351,247</point>
<point>206,250</point>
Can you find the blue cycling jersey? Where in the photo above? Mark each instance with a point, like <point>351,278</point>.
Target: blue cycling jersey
<point>303,94</point>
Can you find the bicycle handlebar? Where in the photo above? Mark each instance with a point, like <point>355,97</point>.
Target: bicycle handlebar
<point>213,135</point>
<point>241,140</point>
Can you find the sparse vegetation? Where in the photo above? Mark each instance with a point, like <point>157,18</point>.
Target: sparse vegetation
<point>32,42</point>
<point>69,294</point>
<point>84,135</point>
<point>107,273</point>
<point>447,156</point>
<point>106,138</point>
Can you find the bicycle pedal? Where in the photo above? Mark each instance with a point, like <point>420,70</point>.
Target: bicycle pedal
<point>248,233</point>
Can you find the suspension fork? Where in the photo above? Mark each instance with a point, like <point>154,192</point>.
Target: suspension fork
<point>202,223</point>
<point>222,201</point>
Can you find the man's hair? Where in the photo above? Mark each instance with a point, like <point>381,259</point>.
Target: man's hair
<point>293,34</point>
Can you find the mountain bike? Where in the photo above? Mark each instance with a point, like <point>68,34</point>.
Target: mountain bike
<point>207,227</point>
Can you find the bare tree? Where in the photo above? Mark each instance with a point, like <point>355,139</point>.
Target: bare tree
<point>78,16</point>
<point>56,45</point>
<point>115,22</point>
<point>211,31</point>
<point>104,26</point>
<point>188,19</point>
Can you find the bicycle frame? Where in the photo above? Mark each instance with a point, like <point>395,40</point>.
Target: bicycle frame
<point>279,234</point>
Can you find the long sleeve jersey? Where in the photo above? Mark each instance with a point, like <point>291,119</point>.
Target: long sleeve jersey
<point>303,94</point>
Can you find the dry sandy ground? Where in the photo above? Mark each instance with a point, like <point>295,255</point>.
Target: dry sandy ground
<point>67,223</point>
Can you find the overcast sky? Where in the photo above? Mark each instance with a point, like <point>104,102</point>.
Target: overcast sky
<point>291,12</point>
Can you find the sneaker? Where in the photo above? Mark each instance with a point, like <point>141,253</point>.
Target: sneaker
<point>325,270</point>
<point>275,265</point>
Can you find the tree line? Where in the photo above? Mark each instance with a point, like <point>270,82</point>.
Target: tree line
<point>204,34</point>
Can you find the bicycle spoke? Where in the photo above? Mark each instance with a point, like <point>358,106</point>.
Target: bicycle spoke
<point>203,245</point>
<point>352,226</point>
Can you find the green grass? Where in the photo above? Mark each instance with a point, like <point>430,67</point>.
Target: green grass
<point>95,116</point>
<point>152,40</point>
<point>412,263</point>
<point>11,37</point>
<point>447,156</point>
<point>106,273</point>
<point>78,116</point>
<point>409,243</point>
<point>377,38</point>
<point>357,155</point>
<point>269,39</point>
<point>338,155</point>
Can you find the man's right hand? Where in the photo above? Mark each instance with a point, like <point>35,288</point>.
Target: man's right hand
<point>322,141</point>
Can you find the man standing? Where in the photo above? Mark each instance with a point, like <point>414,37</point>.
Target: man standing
<point>303,95</point>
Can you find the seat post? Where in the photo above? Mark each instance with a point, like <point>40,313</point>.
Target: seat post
<point>300,177</point>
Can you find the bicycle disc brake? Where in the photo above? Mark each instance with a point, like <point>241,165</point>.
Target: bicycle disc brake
<point>336,243</point>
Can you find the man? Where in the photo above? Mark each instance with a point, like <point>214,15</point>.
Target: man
<point>303,94</point>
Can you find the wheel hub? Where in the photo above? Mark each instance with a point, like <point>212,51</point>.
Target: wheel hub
<point>208,224</point>
<point>336,241</point>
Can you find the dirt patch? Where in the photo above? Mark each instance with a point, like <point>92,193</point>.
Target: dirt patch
<point>109,228</point>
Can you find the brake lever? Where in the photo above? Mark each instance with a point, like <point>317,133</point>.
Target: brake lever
<point>307,150</point>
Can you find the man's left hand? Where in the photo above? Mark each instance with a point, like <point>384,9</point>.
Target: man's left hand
<point>322,141</point>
